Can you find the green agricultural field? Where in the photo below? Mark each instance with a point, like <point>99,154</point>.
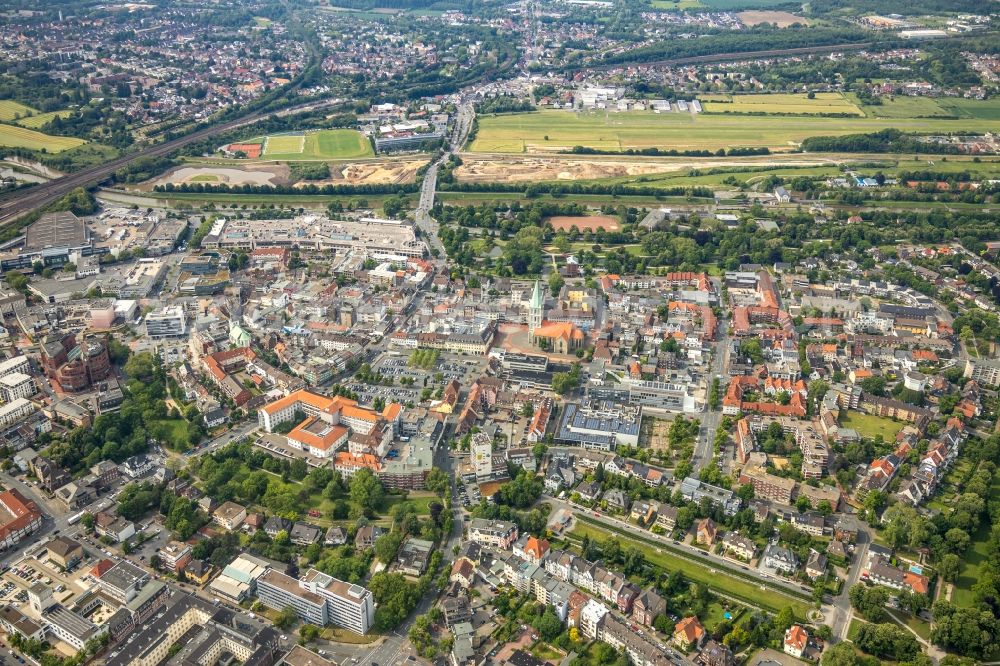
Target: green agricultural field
<point>554,131</point>
<point>828,103</point>
<point>679,5</point>
<point>42,119</point>
<point>337,144</point>
<point>870,426</point>
<point>22,137</point>
<point>982,109</point>
<point>9,110</point>
<point>906,107</point>
<point>926,107</point>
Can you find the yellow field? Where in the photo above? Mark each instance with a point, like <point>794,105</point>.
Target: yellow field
<point>554,131</point>
<point>10,109</point>
<point>780,103</point>
<point>21,137</point>
<point>42,119</point>
<point>284,144</point>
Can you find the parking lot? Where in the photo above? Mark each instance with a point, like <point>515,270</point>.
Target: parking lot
<point>395,365</point>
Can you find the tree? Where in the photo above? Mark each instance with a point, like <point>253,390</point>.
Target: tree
<point>549,625</point>
<point>16,280</point>
<point>387,545</point>
<point>556,283</point>
<point>869,601</point>
<point>970,632</point>
<point>843,654</point>
<point>308,633</point>
<point>286,618</point>
<point>437,481</point>
<point>956,540</point>
<point>887,640</point>
<point>949,566</point>
<point>366,490</point>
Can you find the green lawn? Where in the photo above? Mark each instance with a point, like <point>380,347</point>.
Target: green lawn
<point>552,130</point>
<point>973,559</point>
<point>922,629</point>
<point>176,431</point>
<point>770,599</point>
<point>546,652</point>
<point>336,144</point>
<point>716,615</point>
<point>926,107</point>
<point>852,631</point>
<point>869,425</point>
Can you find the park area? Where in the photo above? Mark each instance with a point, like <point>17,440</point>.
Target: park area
<point>321,145</point>
<point>768,598</point>
<point>555,131</point>
<point>22,137</point>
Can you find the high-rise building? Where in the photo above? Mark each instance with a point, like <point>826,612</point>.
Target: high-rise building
<point>482,455</point>
<point>170,322</point>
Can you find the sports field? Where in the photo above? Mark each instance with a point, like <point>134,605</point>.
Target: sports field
<point>553,131</point>
<point>21,137</point>
<point>334,144</point>
<point>829,103</point>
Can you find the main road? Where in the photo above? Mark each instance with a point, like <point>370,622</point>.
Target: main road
<point>16,203</point>
<point>704,446</point>
<point>428,225</point>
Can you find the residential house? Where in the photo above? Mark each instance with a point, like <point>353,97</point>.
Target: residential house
<point>780,559</point>
<point>739,546</point>
<point>230,515</point>
<point>647,606</point>
<point>688,634</point>
<point>796,641</point>
<point>707,532</point>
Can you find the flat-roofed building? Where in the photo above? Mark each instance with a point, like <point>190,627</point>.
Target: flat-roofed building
<point>319,599</point>
<point>123,581</point>
<point>279,591</point>
<point>16,385</point>
<point>14,411</point>
<point>238,579</point>
<point>170,322</point>
<point>70,627</point>
<point>348,605</point>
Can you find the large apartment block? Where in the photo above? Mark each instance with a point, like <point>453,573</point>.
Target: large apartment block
<point>319,599</point>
